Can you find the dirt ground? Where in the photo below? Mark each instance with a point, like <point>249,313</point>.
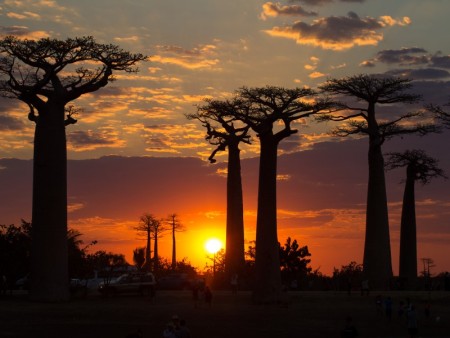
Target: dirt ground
<point>307,314</point>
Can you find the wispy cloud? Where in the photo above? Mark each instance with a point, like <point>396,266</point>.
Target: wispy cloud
<point>90,140</point>
<point>201,57</point>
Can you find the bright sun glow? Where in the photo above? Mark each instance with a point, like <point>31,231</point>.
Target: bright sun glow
<point>213,245</point>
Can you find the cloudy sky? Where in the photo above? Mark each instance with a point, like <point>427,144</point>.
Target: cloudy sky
<point>207,49</point>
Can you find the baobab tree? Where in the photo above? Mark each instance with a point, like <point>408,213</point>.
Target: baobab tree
<point>362,119</point>
<point>224,131</point>
<point>270,111</point>
<point>158,229</point>
<point>145,229</point>
<point>419,167</point>
<point>174,225</point>
<point>46,75</point>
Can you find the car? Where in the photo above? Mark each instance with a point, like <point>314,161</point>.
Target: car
<point>23,283</point>
<point>138,282</point>
<point>178,281</point>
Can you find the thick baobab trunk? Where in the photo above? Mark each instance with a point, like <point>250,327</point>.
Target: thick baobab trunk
<point>408,242</point>
<point>267,264</point>
<point>234,259</point>
<point>377,249</point>
<point>49,258</point>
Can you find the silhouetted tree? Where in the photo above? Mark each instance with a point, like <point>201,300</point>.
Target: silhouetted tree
<point>226,132</point>
<point>270,111</point>
<point>144,229</point>
<point>348,275</point>
<point>47,74</point>
<point>218,262</point>
<point>77,252</point>
<point>175,225</point>
<point>362,119</point>
<point>15,246</point>
<point>139,257</point>
<point>419,167</point>
<point>157,229</point>
<point>106,263</point>
<point>293,259</point>
<point>440,113</point>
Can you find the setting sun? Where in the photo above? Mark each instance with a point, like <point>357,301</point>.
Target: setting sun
<point>213,245</point>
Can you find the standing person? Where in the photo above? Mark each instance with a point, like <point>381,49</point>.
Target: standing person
<point>365,287</point>
<point>411,317</point>
<point>379,305</point>
<point>234,283</point>
<point>195,291</point>
<point>208,296</point>
<point>388,308</point>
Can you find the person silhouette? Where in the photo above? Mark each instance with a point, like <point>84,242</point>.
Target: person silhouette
<point>208,296</point>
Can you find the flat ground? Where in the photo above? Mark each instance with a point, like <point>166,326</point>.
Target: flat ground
<point>308,314</point>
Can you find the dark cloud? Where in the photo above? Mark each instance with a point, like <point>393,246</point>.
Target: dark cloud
<point>82,139</point>
<point>10,123</point>
<point>271,9</point>
<point>420,74</point>
<point>440,61</point>
<point>339,29</point>
<point>436,92</point>
<point>323,2</point>
<point>403,56</point>
<point>14,30</point>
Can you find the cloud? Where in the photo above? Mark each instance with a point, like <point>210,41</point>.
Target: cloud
<point>271,9</point>
<point>90,140</point>
<point>420,74</point>
<point>23,16</point>
<point>201,57</point>
<point>11,123</point>
<point>170,138</point>
<point>49,10</point>
<point>337,32</point>
<point>440,61</point>
<point>315,75</point>
<point>323,2</point>
<point>23,32</point>
<point>403,56</point>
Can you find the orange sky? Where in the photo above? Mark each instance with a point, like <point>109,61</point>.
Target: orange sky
<point>321,202</point>
<point>133,151</point>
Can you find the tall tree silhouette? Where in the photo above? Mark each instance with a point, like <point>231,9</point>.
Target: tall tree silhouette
<point>262,110</point>
<point>372,91</point>
<point>46,75</point>
<point>226,132</point>
<point>419,167</point>
<point>175,226</point>
<point>145,229</point>
<point>158,228</point>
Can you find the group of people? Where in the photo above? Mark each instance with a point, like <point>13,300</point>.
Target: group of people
<point>205,291</point>
<point>176,328</point>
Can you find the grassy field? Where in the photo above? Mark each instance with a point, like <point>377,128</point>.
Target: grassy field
<point>306,314</point>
